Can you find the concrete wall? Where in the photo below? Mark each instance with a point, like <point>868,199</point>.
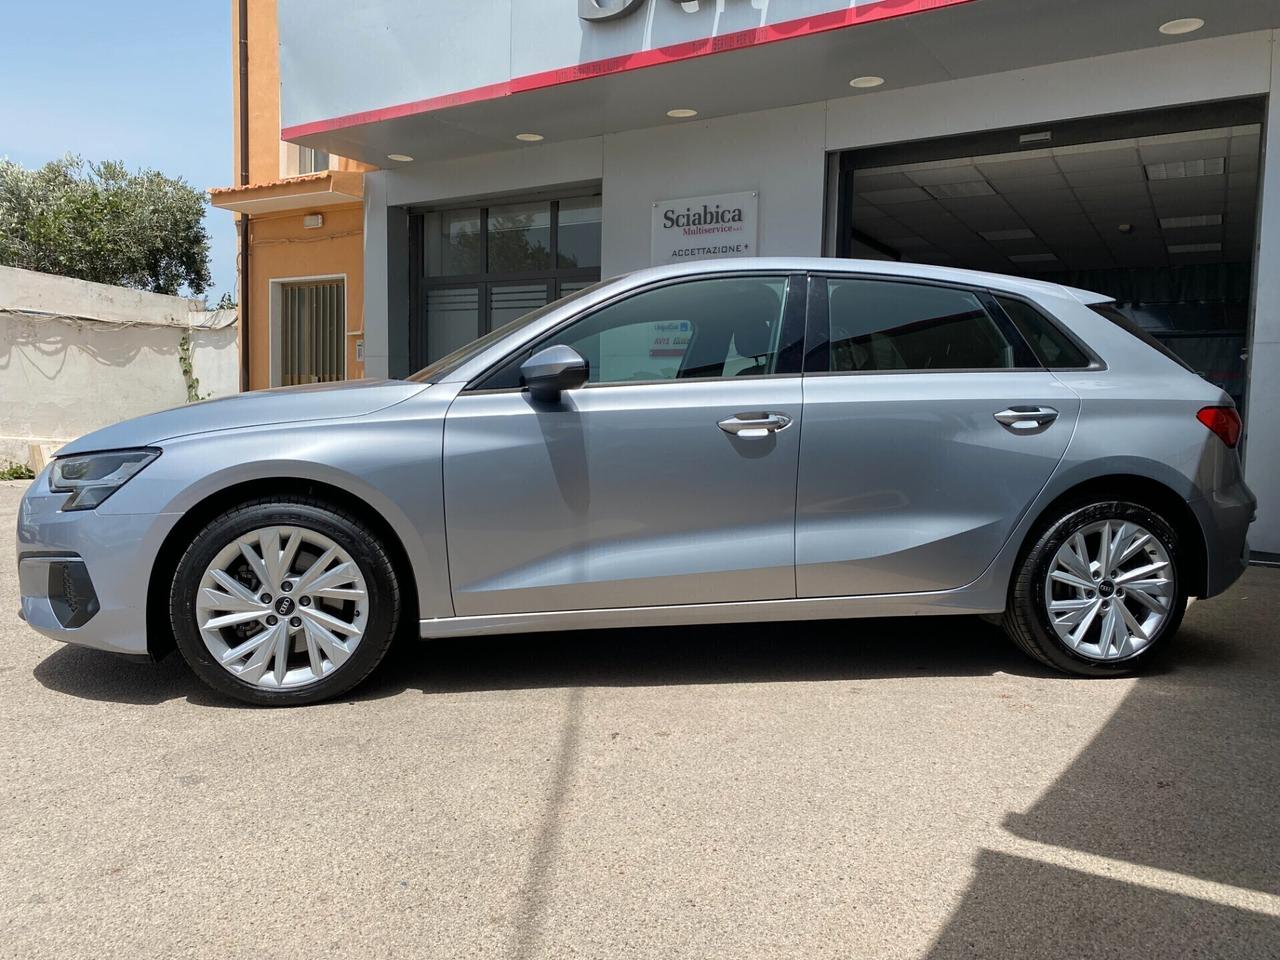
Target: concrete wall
<point>76,356</point>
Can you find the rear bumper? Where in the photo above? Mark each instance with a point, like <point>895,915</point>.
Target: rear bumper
<point>1224,517</point>
<point>83,575</point>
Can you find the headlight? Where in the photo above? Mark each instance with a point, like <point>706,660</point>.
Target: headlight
<point>92,477</point>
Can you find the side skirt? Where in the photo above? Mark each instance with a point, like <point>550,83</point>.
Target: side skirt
<point>962,601</point>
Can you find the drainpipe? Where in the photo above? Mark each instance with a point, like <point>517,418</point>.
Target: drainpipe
<point>243,54</point>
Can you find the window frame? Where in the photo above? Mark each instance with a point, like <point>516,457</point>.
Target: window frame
<point>791,356</point>
<point>817,358</point>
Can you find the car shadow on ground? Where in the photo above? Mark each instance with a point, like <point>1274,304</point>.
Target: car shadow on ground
<point>1183,780</point>
<point>658,656</point>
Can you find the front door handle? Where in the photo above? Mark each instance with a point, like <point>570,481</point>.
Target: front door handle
<point>1027,419</point>
<point>755,424</point>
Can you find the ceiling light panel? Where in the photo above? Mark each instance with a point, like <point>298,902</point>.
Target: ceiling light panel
<point>1184,169</point>
<point>1195,247</point>
<point>961,191</point>
<point>998,236</point>
<point>1184,223</point>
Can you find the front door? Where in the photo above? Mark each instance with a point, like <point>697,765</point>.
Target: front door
<point>930,427</point>
<point>669,479</point>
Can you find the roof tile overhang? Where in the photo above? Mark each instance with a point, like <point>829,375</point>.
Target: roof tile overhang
<point>324,189</point>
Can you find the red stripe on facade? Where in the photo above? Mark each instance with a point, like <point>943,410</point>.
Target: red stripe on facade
<point>741,40</point>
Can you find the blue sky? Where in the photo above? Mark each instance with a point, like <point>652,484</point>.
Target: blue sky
<point>141,81</point>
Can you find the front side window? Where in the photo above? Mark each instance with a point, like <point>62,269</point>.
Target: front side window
<point>879,325</point>
<point>717,327</point>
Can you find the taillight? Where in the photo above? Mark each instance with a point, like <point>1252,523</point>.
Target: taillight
<point>1224,421</point>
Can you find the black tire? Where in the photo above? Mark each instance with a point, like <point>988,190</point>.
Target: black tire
<point>1026,617</point>
<point>350,533</point>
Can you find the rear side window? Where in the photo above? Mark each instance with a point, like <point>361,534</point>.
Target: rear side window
<point>1113,313</point>
<point>886,325</point>
<point>1052,347</point>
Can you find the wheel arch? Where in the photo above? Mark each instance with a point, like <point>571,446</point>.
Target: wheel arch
<point>160,640</point>
<point>1145,492</point>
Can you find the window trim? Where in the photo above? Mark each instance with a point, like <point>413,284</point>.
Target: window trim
<point>818,335</point>
<point>794,322</point>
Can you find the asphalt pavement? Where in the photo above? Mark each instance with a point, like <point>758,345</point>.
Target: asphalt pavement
<point>859,789</point>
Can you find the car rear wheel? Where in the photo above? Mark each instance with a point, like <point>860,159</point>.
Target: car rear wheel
<point>1099,593</point>
<point>284,602</point>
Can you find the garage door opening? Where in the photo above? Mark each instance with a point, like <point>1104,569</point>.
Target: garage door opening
<point>1158,210</point>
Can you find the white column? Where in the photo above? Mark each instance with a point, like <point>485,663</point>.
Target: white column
<point>376,338</point>
<point>1262,453</point>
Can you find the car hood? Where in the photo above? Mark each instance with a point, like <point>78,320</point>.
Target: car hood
<point>317,401</point>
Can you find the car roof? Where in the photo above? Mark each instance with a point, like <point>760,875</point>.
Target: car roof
<point>623,284</point>
<point>894,268</point>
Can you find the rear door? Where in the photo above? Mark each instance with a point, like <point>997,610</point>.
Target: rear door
<point>929,428</point>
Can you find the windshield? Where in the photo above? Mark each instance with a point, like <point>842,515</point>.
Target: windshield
<point>433,372</point>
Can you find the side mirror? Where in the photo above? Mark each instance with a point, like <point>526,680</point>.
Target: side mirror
<point>553,370</point>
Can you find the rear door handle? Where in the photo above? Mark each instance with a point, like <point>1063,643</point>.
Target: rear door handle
<point>755,424</point>
<point>1027,419</point>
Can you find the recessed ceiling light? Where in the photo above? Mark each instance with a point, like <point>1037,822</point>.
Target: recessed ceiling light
<point>1185,25</point>
<point>529,137</point>
<point>682,113</point>
<point>399,157</point>
<point>866,83</point>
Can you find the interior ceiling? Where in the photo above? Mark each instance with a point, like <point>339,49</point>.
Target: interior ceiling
<point>1147,202</point>
<point>986,36</point>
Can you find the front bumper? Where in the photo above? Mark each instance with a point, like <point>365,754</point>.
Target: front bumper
<point>1224,517</point>
<point>83,575</point>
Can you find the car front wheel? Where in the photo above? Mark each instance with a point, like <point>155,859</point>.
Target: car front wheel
<point>284,602</point>
<point>1100,591</point>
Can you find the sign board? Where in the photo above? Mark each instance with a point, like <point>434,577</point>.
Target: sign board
<point>701,228</point>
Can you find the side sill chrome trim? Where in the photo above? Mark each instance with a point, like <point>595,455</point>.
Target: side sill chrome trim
<point>959,601</point>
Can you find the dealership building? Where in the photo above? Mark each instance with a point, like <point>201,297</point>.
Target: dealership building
<point>527,148</point>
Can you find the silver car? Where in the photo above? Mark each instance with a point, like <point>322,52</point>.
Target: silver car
<point>744,440</point>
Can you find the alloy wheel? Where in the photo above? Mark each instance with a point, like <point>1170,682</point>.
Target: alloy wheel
<point>281,607</point>
<point>1109,590</point>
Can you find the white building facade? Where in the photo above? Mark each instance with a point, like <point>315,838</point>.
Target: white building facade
<point>531,147</point>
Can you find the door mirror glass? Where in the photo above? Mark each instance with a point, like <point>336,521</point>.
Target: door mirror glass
<point>553,370</point>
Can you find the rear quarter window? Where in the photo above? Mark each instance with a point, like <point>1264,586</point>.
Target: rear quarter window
<point>1051,345</point>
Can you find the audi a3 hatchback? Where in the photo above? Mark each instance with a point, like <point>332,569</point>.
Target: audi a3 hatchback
<point>745,440</point>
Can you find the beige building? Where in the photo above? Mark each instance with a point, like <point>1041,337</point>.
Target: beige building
<point>300,217</point>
